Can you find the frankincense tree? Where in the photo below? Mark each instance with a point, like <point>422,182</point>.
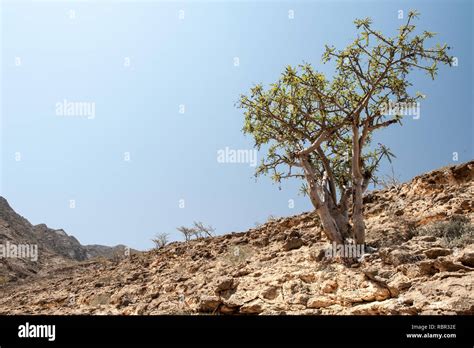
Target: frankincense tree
<point>319,129</point>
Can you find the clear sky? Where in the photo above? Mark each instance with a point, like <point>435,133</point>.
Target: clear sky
<point>139,61</point>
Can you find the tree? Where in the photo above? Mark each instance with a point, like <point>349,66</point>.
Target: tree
<point>320,130</point>
<point>160,240</point>
<point>187,232</point>
<point>199,230</point>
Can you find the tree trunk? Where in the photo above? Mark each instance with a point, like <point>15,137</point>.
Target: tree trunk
<point>342,222</point>
<point>357,183</point>
<point>330,225</point>
<point>358,214</point>
<point>328,220</point>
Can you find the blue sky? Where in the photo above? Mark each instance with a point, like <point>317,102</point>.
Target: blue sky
<point>50,54</point>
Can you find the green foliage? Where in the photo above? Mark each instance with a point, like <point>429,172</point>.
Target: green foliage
<point>289,117</point>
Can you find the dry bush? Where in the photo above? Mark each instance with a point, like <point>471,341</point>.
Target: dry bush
<point>389,180</point>
<point>199,230</point>
<point>4,279</point>
<point>160,240</point>
<point>457,232</point>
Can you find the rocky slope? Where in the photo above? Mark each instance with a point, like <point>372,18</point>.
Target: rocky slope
<point>54,247</point>
<point>421,263</point>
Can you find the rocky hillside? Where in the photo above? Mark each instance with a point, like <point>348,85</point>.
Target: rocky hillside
<point>421,262</point>
<point>54,247</point>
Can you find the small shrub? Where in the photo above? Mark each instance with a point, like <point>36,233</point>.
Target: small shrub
<point>4,279</point>
<point>389,180</point>
<point>457,232</point>
<point>271,218</point>
<point>160,240</point>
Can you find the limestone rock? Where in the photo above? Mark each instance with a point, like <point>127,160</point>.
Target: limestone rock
<point>277,268</point>
<point>467,257</point>
<point>293,241</point>
<point>437,252</point>
<point>320,302</point>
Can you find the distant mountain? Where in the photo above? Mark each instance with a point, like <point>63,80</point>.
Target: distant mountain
<point>44,247</point>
